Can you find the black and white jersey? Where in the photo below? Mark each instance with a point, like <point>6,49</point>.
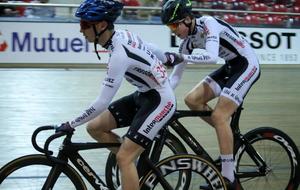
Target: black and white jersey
<point>133,59</point>
<point>217,38</point>
<point>130,58</point>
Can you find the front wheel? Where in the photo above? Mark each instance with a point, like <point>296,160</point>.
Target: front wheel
<point>31,172</point>
<point>172,146</point>
<point>204,174</point>
<point>279,154</point>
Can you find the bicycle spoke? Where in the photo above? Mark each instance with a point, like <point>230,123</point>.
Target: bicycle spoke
<point>278,169</point>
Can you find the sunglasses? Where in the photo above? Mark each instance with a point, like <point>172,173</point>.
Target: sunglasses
<point>174,26</point>
<point>86,24</point>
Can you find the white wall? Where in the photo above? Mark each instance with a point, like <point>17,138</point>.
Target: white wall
<point>24,42</point>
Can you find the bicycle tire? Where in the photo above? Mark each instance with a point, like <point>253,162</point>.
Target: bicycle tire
<point>112,173</point>
<point>280,154</point>
<point>208,175</point>
<point>30,172</point>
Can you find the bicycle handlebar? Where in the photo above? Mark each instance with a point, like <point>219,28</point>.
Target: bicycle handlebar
<point>34,135</point>
<point>46,150</point>
<point>48,153</point>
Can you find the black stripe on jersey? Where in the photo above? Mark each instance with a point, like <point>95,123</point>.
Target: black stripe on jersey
<point>135,56</point>
<point>229,46</point>
<point>228,26</point>
<point>136,78</point>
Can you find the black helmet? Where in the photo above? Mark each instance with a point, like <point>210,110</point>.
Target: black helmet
<point>175,10</point>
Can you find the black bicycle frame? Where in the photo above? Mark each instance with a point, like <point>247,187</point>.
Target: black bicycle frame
<point>70,151</point>
<point>196,147</point>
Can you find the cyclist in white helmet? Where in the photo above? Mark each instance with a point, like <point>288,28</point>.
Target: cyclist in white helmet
<point>146,110</point>
<point>230,83</point>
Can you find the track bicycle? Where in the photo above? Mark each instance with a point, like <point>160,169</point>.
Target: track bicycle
<point>48,172</point>
<point>265,157</point>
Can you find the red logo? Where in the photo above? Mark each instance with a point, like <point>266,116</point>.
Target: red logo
<point>3,44</point>
<point>206,30</point>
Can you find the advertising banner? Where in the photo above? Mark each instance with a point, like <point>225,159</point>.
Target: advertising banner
<point>36,42</point>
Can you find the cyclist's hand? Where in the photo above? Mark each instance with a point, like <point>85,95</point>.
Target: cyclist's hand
<point>66,128</point>
<point>173,59</point>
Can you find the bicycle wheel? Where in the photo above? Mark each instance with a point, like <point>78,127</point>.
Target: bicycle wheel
<point>172,146</point>
<point>30,173</point>
<point>203,174</point>
<point>279,153</point>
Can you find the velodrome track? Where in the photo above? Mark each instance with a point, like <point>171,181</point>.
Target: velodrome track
<point>33,97</point>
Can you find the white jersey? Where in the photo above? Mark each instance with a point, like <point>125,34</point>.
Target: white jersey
<point>132,59</point>
<point>217,39</point>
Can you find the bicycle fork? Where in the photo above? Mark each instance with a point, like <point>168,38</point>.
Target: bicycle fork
<point>255,157</point>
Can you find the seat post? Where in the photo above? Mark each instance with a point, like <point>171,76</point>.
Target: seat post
<point>234,124</point>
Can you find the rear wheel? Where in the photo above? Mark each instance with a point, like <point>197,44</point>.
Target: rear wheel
<point>171,147</point>
<point>30,173</point>
<point>280,154</point>
<point>203,174</point>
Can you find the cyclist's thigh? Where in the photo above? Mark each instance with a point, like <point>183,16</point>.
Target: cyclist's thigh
<point>124,109</point>
<point>104,122</point>
<point>129,150</point>
<point>201,93</point>
<point>155,108</point>
<point>225,107</point>
<point>243,75</point>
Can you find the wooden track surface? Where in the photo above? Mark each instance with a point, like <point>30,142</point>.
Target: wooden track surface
<point>33,97</point>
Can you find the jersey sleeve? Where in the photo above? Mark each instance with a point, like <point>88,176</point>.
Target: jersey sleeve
<point>160,54</point>
<point>209,55</point>
<point>177,72</point>
<point>110,86</point>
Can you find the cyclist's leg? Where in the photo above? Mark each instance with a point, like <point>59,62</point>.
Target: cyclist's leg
<point>198,97</point>
<point>126,156</point>
<point>154,109</point>
<point>221,120</point>
<point>241,76</point>
<point>119,114</point>
<point>101,128</point>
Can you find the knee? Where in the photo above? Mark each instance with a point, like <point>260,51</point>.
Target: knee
<point>189,101</point>
<point>194,102</point>
<point>218,118</point>
<point>122,159</point>
<point>93,129</point>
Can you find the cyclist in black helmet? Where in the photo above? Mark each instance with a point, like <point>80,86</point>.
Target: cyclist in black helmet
<point>146,110</point>
<point>230,83</point>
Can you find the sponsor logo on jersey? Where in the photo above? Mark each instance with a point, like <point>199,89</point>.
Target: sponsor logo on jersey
<point>235,40</point>
<point>162,114</point>
<point>247,78</point>
<point>87,113</point>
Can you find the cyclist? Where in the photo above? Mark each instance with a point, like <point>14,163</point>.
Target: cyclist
<point>231,82</point>
<point>146,110</point>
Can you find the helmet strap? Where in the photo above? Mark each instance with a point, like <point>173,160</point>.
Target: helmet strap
<point>97,36</point>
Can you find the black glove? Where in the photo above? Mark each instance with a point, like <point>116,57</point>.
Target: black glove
<point>66,128</point>
<point>173,59</point>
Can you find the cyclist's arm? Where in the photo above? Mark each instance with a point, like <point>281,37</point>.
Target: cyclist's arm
<point>109,88</point>
<point>209,55</point>
<point>177,72</point>
<point>157,52</point>
<point>176,75</point>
